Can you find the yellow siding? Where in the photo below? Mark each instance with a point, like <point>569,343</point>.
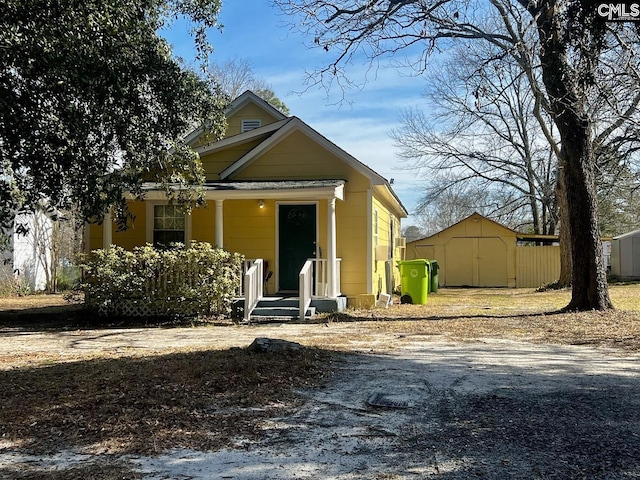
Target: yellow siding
<point>202,224</point>
<point>351,235</point>
<point>298,157</point>
<point>251,230</point>
<point>95,236</point>
<point>215,163</point>
<point>382,240</point>
<point>537,265</point>
<point>248,112</point>
<point>135,235</point>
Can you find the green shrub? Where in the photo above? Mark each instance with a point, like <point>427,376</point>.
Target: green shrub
<point>178,282</point>
<point>69,277</point>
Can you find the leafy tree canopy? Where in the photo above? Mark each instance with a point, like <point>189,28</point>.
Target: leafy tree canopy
<point>92,102</point>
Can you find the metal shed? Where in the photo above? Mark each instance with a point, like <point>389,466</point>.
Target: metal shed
<point>625,256</point>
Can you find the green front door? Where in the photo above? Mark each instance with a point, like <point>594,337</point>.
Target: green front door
<point>297,242</point>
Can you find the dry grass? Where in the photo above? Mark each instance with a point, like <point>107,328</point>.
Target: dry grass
<point>206,398</point>
<point>200,399</point>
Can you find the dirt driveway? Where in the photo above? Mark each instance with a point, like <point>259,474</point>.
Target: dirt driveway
<point>486,408</point>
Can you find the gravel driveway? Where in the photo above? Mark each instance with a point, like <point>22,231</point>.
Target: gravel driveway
<point>491,409</point>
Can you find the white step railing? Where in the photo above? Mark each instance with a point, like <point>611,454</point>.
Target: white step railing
<point>321,276</point>
<point>306,287</point>
<point>253,284</point>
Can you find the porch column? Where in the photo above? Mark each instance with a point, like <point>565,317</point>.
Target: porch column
<point>332,277</point>
<point>107,231</point>
<point>219,224</point>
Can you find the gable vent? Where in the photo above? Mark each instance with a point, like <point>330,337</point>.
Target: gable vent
<point>251,124</point>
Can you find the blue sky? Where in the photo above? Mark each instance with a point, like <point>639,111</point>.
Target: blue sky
<point>255,30</point>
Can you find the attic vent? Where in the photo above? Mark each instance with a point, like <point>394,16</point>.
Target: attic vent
<point>251,124</point>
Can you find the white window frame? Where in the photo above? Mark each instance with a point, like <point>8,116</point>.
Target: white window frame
<point>150,215</point>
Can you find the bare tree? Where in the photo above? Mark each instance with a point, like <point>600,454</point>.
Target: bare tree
<point>480,126</point>
<point>576,53</point>
<point>442,207</point>
<point>237,75</point>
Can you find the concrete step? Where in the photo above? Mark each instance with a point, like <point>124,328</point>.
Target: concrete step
<point>287,308</point>
<point>281,312</point>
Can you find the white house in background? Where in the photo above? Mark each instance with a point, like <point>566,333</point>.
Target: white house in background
<point>625,256</point>
<point>26,259</point>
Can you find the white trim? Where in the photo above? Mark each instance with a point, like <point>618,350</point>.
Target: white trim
<point>107,231</point>
<point>262,147</point>
<point>332,274</point>
<point>369,241</point>
<point>240,138</point>
<point>275,193</point>
<point>295,124</point>
<point>277,244</point>
<point>219,224</point>
<point>247,97</point>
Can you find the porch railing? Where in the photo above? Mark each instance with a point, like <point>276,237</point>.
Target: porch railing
<point>321,276</point>
<point>306,286</point>
<point>246,265</point>
<point>253,283</point>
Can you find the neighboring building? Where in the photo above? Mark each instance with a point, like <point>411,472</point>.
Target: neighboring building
<point>625,256</point>
<point>278,190</point>
<point>26,259</point>
<point>479,252</point>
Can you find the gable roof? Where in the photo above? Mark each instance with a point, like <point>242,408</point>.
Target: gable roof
<point>249,97</point>
<point>272,134</point>
<point>279,131</point>
<point>474,215</point>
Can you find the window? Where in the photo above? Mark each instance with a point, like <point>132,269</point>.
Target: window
<point>168,225</point>
<point>252,124</point>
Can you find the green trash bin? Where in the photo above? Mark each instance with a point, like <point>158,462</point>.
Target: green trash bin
<point>433,284</point>
<point>414,280</point>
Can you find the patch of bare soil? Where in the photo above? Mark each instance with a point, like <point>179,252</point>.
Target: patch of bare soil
<point>474,392</point>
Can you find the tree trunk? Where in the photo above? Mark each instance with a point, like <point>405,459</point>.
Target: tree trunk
<point>589,279</point>
<point>565,240</point>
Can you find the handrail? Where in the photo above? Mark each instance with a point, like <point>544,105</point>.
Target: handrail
<point>306,287</point>
<point>253,285</point>
<point>321,283</point>
<point>246,265</point>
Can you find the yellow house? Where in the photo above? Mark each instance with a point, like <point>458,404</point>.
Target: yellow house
<point>279,191</point>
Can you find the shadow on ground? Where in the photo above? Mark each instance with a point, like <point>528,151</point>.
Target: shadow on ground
<point>492,410</point>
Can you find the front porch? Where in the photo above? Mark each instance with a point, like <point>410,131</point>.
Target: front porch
<point>285,308</point>
<point>315,294</point>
